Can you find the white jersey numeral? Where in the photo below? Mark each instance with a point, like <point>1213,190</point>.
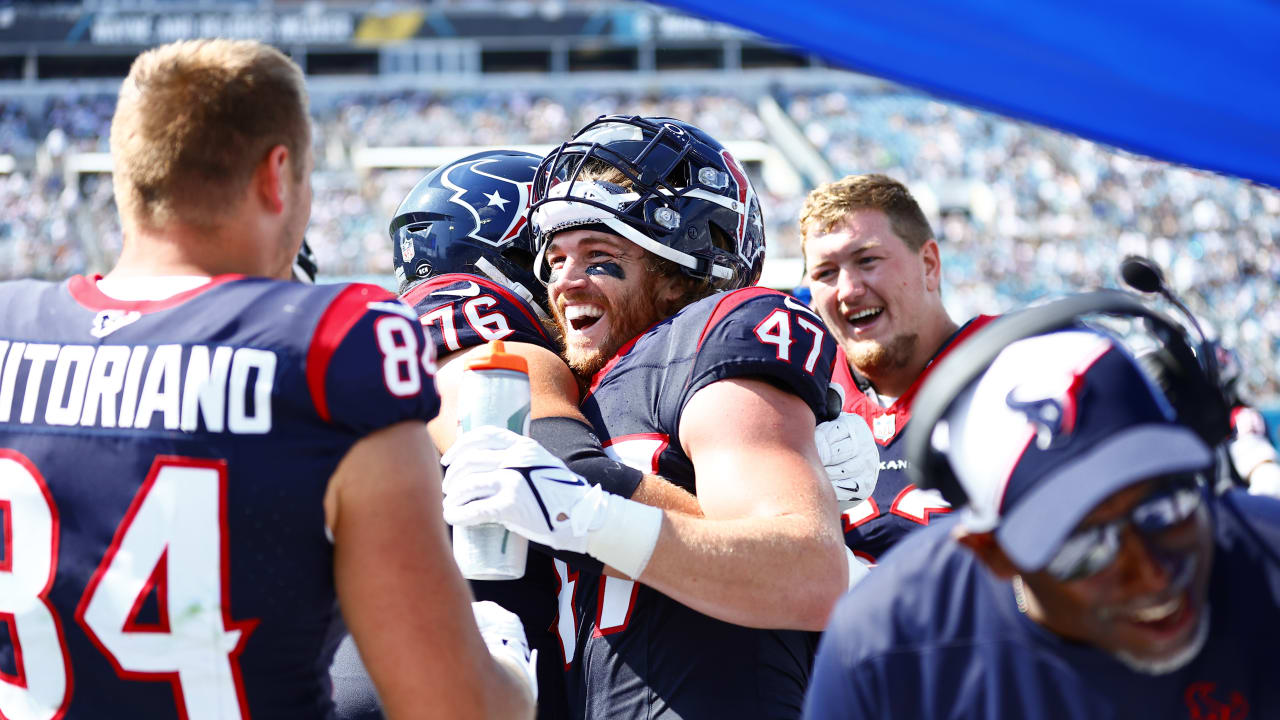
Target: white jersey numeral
<point>566,624</point>
<point>818,334</point>
<point>617,596</point>
<point>919,505</point>
<point>859,514</point>
<point>444,316</point>
<point>491,326</point>
<point>401,359</point>
<point>617,600</point>
<point>39,688</point>
<point>775,330</point>
<point>173,545</point>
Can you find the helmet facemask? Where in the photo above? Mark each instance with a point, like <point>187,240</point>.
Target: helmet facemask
<point>660,183</point>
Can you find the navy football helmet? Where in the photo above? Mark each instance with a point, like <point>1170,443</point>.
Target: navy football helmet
<point>682,185</point>
<point>469,217</point>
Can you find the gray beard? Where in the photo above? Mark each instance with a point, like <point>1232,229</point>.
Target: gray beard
<point>1179,660</point>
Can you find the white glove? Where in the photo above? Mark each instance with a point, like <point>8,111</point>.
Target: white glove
<point>858,570</point>
<point>1250,452</point>
<point>850,456</point>
<point>1265,480</point>
<point>503,634</point>
<point>497,476</point>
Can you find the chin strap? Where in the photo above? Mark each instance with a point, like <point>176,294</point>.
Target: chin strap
<point>496,275</point>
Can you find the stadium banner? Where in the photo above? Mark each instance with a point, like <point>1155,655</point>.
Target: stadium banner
<point>1196,83</point>
<point>135,30</point>
<point>316,24</point>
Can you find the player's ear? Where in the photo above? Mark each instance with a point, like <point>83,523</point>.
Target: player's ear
<point>984,545</point>
<point>269,179</point>
<point>932,260</point>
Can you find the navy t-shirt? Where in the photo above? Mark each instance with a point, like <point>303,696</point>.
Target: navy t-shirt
<point>932,634</point>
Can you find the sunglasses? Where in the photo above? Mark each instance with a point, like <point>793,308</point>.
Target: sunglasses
<point>1090,550</point>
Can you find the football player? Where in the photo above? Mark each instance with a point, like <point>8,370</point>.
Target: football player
<point>197,461</point>
<point>641,222</point>
<point>464,258</point>
<point>874,271</point>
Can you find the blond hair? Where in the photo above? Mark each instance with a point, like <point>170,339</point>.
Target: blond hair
<point>193,122</point>
<point>828,205</point>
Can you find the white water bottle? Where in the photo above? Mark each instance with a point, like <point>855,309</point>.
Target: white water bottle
<point>494,391</point>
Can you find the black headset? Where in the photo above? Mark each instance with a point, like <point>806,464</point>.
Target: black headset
<point>1188,379</point>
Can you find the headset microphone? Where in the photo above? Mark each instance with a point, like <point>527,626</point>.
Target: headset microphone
<point>1145,276</point>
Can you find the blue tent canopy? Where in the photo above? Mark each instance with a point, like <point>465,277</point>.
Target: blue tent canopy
<point>1186,81</point>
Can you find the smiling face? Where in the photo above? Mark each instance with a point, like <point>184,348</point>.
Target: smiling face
<point>602,294</point>
<point>1148,606</point>
<point>879,297</point>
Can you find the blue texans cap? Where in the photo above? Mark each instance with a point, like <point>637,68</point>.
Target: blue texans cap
<point>1057,424</point>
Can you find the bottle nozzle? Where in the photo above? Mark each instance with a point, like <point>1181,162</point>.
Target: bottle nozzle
<point>498,359</point>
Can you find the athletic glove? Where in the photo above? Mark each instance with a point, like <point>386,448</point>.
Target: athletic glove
<point>503,634</point>
<point>1252,454</point>
<point>850,456</point>
<point>497,476</point>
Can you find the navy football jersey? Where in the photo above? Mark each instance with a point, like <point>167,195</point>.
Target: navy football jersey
<point>162,470</point>
<point>635,652</point>
<point>459,311</point>
<point>933,634</point>
<point>896,507</point>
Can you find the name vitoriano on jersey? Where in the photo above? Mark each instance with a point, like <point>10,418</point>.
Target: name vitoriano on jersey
<point>216,388</point>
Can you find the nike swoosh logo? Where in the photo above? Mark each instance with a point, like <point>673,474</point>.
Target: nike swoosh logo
<point>543,474</point>
<point>471,290</point>
<point>796,305</point>
<point>396,307</point>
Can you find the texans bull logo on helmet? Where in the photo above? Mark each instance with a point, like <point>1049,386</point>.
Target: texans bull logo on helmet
<point>489,199</point>
<point>469,216</point>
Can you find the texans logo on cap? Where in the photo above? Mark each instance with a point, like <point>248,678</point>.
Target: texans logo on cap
<point>1051,408</point>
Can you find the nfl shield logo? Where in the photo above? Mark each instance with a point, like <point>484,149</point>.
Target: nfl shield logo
<point>109,321</point>
<point>406,248</point>
<point>884,426</point>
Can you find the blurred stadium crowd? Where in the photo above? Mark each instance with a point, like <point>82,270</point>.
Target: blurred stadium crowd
<point>1022,212</point>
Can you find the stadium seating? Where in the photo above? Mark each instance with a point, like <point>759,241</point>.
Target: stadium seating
<point>1022,212</point>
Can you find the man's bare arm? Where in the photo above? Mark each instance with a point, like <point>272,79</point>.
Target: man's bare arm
<point>768,552</point>
<point>401,595</point>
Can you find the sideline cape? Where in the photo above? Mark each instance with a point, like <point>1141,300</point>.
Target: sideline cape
<point>1188,81</point>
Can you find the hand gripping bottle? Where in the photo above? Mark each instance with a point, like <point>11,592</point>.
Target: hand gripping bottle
<point>494,391</point>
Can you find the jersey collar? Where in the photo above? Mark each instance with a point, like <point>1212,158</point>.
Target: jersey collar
<point>84,290</point>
